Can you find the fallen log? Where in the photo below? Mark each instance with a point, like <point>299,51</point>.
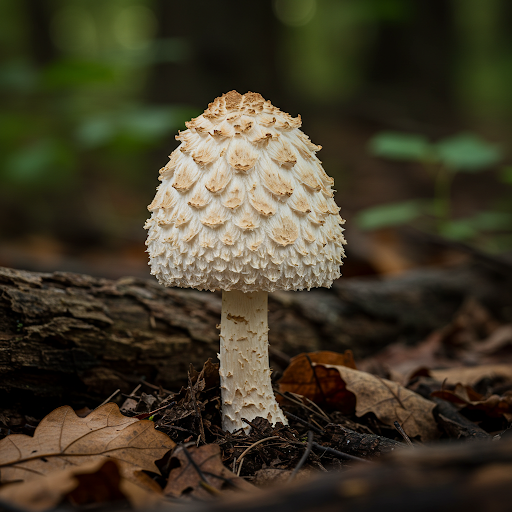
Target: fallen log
<point>73,338</point>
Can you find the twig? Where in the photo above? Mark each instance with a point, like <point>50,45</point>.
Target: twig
<point>304,457</point>
<point>303,422</point>
<point>316,423</point>
<point>338,454</point>
<point>247,450</point>
<point>317,380</point>
<point>175,427</point>
<point>402,432</point>
<point>135,390</point>
<point>240,467</point>
<point>145,415</point>
<point>252,425</point>
<point>455,424</point>
<point>199,418</point>
<point>152,386</point>
<point>109,398</point>
<point>320,410</point>
<point>292,399</point>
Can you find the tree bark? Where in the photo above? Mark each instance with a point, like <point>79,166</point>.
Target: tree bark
<point>71,338</point>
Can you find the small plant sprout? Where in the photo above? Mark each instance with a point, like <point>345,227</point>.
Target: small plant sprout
<point>442,160</point>
<point>245,207</point>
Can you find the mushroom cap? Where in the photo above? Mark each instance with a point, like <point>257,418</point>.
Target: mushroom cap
<point>245,204</point>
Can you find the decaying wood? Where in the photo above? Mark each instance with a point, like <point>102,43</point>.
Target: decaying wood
<point>367,446</point>
<point>73,337</point>
<point>455,424</point>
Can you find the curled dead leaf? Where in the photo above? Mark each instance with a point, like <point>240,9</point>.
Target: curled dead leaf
<point>87,484</point>
<point>331,379</point>
<point>390,402</point>
<point>470,375</point>
<point>494,406</point>
<point>212,475</point>
<point>64,440</point>
<point>320,384</point>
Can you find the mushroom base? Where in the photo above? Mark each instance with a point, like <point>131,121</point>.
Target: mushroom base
<point>245,382</point>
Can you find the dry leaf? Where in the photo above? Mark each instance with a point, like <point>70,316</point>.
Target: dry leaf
<point>99,482</point>
<point>305,377</point>
<point>390,402</point>
<point>469,376</point>
<point>41,493</point>
<point>498,341</point>
<point>466,397</point>
<point>344,387</point>
<point>62,439</point>
<point>186,479</point>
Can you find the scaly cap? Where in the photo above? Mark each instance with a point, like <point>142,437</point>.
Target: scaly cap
<point>245,204</point>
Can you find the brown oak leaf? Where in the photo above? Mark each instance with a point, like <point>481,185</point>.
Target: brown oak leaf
<point>390,402</point>
<point>62,440</point>
<point>186,479</point>
<point>305,377</point>
<point>87,484</point>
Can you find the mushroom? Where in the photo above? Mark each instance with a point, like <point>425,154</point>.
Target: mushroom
<point>245,207</point>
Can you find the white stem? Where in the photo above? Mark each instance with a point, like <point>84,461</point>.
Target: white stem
<point>244,370</point>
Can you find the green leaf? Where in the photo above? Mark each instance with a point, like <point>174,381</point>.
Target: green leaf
<point>470,227</point>
<point>491,221</point>
<point>133,127</point>
<point>467,152</point>
<point>461,229</point>
<point>400,146</point>
<point>391,214</point>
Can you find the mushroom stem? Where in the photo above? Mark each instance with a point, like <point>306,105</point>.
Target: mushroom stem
<point>244,370</point>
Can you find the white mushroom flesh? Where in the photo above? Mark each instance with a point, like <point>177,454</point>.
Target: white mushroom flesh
<point>246,387</point>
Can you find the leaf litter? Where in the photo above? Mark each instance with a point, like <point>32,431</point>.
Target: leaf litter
<point>170,445</point>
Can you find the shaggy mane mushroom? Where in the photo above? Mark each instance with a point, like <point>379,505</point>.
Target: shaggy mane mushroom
<point>245,207</point>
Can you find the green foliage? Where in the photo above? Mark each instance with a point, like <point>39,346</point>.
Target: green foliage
<point>133,128</point>
<point>400,146</point>
<point>56,117</point>
<point>465,152</point>
<point>470,228</point>
<point>462,152</point>
<point>390,214</point>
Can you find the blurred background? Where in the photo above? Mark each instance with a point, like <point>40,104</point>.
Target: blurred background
<point>410,99</point>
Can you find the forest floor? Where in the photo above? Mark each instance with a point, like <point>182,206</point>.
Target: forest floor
<point>431,414</point>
